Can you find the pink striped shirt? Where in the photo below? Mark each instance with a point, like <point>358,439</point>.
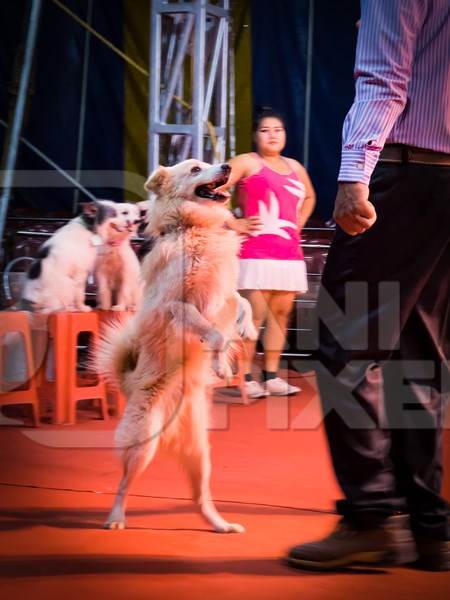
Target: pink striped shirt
<point>402,73</point>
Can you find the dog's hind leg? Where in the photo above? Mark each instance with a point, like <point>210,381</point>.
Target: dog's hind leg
<point>198,467</point>
<point>135,460</point>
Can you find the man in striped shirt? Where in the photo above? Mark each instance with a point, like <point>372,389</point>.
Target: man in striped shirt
<point>384,307</point>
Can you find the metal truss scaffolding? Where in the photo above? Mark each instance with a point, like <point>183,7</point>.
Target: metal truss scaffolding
<point>188,82</point>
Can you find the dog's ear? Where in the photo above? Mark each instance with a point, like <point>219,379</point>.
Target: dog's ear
<point>156,180</point>
<point>90,209</point>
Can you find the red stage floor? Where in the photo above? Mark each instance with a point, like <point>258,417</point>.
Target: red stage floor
<point>271,473</point>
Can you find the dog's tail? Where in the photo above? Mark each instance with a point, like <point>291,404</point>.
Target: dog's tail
<point>116,352</point>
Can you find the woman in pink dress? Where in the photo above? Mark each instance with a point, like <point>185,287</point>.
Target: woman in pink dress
<point>276,198</point>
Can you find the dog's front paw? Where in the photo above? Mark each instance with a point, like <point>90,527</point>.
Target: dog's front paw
<point>215,339</point>
<point>114,524</point>
<point>218,370</point>
<point>230,528</point>
<point>221,367</point>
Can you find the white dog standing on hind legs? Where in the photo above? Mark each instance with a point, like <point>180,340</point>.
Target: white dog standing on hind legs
<point>162,359</point>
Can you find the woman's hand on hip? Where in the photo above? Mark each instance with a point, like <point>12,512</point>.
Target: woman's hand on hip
<point>246,226</point>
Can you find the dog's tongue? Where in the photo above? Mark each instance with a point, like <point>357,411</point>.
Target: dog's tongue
<point>210,193</point>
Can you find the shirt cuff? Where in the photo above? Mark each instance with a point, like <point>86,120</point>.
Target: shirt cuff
<point>358,164</point>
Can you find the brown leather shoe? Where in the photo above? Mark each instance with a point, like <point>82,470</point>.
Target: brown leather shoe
<point>434,555</point>
<point>391,544</point>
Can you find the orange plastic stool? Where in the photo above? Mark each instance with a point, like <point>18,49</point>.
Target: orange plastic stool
<point>115,396</point>
<point>80,322</point>
<point>56,327</point>
<point>18,322</point>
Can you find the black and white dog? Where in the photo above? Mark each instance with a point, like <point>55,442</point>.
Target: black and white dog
<point>57,278</point>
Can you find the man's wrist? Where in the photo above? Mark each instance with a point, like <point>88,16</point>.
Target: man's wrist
<point>357,165</point>
<point>351,183</point>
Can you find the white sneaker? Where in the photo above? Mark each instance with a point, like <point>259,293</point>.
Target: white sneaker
<point>279,387</point>
<point>254,389</point>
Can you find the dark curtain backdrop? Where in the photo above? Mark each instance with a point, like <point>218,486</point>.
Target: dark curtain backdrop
<point>279,36</point>
<point>52,120</point>
<point>11,24</point>
<point>278,31</point>
<point>332,92</point>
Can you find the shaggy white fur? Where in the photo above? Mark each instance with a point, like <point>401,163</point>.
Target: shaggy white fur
<point>163,357</point>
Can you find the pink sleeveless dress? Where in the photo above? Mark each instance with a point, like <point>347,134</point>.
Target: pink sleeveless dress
<point>272,259</point>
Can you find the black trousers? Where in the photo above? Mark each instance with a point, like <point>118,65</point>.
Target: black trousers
<point>384,348</point>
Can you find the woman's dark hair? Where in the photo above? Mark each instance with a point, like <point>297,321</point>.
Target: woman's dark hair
<point>263,112</point>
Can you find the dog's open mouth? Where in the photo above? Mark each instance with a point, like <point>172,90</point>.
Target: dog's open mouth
<point>207,190</point>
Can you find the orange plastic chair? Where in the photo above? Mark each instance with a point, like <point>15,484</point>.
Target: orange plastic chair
<point>69,386</point>
<point>80,322</point>
<point>18,322</point>
<point>55,326</point>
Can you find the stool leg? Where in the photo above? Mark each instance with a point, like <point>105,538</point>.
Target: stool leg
<point>61,359</point>
<point>35,414</point>
<point>118,400</point>
<point>71,400</point>
<point>71,411</point>
<point>104,406</point>
<point>33,377</point>
<point>72,375</point>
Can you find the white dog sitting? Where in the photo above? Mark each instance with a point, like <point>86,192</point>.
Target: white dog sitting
<point>57,277</point>
<point>117,270</point>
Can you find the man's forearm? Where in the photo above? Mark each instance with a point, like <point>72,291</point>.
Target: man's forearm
<point>382,70</point>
